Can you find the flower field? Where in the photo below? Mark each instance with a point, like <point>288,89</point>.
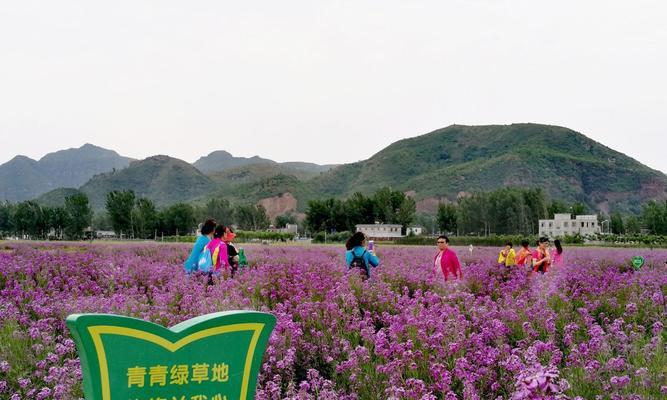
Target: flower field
<point>590,329</point>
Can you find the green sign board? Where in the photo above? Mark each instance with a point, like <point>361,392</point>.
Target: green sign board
<point>211,357</point>
<point>637,262</point>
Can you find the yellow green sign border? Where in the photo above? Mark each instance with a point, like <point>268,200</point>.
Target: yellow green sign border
<point>87,331</point>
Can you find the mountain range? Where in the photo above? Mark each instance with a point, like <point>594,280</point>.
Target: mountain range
<point>23,178</point>
<point>439,166</point>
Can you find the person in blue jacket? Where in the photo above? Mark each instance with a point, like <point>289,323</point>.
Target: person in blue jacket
<point>207,229</point>
<point>357,256</point>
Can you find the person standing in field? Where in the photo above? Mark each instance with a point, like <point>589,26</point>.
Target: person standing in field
<point>218,250</point>
<point>207,228</point>
<point>232,251</point>
<point>446,260</point>
<point>557,255</point>
<point>507,256</point>
<point>358,257</point>
<point>525,254</point>
<point>541,257</point>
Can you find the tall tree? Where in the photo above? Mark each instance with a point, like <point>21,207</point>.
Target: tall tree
<point>5,218</point>
<point>284,219</point>
<point>218,209</point>
<point>578,208</point>
<point>632,225</point>
<point>79,215</point>
<point>58,219</point>
<point>317,215</point>
<point>359,210</point>
<point>178,219</point>
<point>617,224</point>
<point>28,219</point>
<point>556,207</point>
<point>252,217</point>
<point>446,217</point>
<point>119,207</point>
<point>405,213</point>
<point>654,216</point>
<point>145,218</point>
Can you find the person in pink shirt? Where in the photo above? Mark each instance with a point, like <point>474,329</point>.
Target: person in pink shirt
<point>557,255</point>
<point>217,244</point>
<point>446,260</point>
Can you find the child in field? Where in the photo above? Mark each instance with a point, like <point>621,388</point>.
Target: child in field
<point>541,257</point>
<point>525,254</point>
<point>557,255</point>
<point>218,250</point>
<point>507,256</point>
<point>232,252</point>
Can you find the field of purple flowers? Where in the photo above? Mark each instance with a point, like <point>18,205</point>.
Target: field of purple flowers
<point>590,329</point>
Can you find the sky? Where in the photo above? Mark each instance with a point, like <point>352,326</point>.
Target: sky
<point>325,81</point>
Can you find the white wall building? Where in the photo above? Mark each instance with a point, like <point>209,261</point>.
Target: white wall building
<point>563,224</point>
<point>380,230</point>
<point>415,230</point>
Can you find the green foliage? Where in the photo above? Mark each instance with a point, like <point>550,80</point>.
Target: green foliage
<point>503,211</point>
<point>578,208</point>
<point>251,217</point>
<point>284,219</point>
<point>443,163</point>
<point>447,217</point>
<point>28,219</point>
<point>334,215</point>
<point>78,215</point>
<point>119,207</point>
<point>177,219</point>
<point>617,224</point>
<point>556,207</point>
<point>145,219</point>
<point>217,208</point>
<point>338,237</point>
<point>632,225</point>
<point>6,225</point>
<point>654,216</point>
<point>241,237</point>
<point>162,179</point>
<point>491,240</point>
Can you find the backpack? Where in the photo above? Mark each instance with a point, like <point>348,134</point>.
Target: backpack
<point>205,262</point>
<point>359,262</point>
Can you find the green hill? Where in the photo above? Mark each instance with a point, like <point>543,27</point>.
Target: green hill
<point>456,159</point>
<point>444,164</point>
<point>163,179</point>
<point>222,161</point>
<point>56,197</point>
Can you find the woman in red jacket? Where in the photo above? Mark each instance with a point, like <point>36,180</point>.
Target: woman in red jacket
<point>446,260</point>
<point>541,258</point>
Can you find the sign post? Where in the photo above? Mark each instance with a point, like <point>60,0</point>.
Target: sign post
<point>637,262</point>
<point>211,357</point>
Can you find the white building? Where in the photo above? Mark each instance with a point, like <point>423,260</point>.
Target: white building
<point>563,224</point>
<point>415,230</point>
<point>380,230</point>
<point>289,228</point>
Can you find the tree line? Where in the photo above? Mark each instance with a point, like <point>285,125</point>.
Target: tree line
<point>385,206</point>
<point>653,219</point>
<point>125,214</point>
<point>29,219</point>
<point>140,218</point>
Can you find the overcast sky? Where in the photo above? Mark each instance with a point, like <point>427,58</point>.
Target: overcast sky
<point>325,81</point>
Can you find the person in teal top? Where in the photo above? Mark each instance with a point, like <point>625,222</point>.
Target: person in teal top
<point>356,251</point>
<point>207,229</point>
